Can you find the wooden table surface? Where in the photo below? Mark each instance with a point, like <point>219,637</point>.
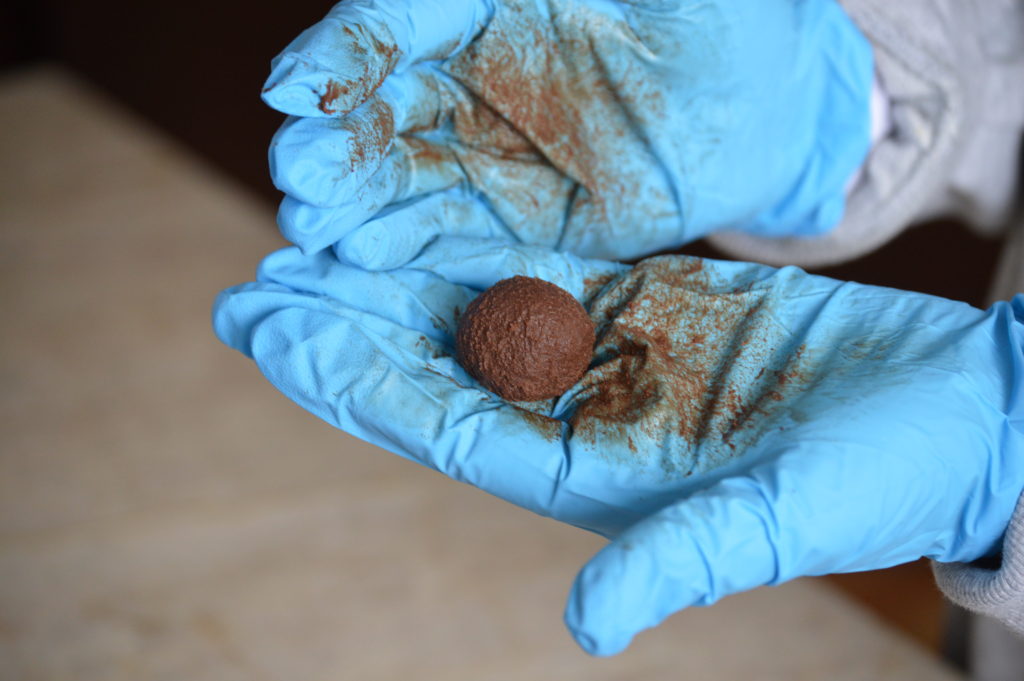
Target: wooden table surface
<point>165,514</point>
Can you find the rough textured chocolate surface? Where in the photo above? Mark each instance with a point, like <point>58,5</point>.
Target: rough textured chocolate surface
<point>525,339</point>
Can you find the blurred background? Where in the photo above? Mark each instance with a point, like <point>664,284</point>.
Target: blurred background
<point>163,511</point>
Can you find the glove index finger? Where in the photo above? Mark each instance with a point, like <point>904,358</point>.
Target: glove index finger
<point>335,65</point>
<point>332,67</point>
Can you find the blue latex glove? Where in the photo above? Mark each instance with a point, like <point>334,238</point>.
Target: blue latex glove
<point>608,128</point>
<point>739,426</point>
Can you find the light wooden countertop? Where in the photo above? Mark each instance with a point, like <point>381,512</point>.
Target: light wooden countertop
<point>165,514</point>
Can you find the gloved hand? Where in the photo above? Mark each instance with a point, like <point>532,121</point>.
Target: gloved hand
<point>739,425</point>
<point>608,128</point>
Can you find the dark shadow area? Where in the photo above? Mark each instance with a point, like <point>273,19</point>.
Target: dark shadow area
<point>194,70</point>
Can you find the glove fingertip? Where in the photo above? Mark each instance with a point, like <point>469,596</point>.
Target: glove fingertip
<point>298,89</point>
<point>588,643</point>
<point>226,323</point>
<point>384,244</point>
<point>303,226</point>
<point>601,643</point>
<point>590,614</point>
<point>366,251</point>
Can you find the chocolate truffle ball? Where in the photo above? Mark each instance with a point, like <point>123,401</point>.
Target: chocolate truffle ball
<point>525,339</point>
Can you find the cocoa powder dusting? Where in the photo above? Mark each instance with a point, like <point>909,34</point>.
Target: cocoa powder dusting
<point>424,155</point>
<point>547,427</point>
<point>564,100</point>
<point>331,93</point>
<point>685,369</point>
<point>359,41</point>
<point>593,285</point>
<point>373,133</point>
<point>687,372</point>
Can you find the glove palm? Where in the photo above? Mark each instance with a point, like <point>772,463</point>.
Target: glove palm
<point>739,426</point>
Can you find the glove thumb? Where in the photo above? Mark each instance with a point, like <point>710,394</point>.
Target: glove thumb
<point>715,543</point>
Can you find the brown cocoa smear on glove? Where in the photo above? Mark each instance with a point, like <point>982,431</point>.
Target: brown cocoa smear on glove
<point>525,339</point>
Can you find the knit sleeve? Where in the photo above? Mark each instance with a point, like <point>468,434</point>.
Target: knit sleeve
<point>998,590</point>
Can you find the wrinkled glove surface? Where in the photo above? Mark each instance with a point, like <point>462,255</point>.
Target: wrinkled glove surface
<point>739,425</point>
<point>608,128</point>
